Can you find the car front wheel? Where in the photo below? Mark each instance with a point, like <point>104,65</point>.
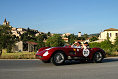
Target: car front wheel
<point>58,58</point>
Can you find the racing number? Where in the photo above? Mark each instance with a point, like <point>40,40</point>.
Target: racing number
<point>86,52</point>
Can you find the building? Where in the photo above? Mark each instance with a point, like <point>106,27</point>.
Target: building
<point>24,46</point>
<point>21,30</point>
<point>38,33</point>
<point>6,23</point>
<point>79,34</point>
<point>111,33</point>
<point>66,34</point>
<point>65,39</point>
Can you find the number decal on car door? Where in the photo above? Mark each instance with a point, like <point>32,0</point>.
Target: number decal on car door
<point>86,52</point>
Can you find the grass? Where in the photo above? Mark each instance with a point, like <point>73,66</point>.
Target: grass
<point>18,55</point>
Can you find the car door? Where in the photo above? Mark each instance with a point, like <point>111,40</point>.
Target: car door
<point>72,52</point>
<point>84,52</point>
<point>79,52</point>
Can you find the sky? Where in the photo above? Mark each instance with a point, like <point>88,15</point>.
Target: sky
<point>61,16</point>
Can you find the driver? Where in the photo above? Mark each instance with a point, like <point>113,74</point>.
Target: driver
<point>86,45</point>
<point>76,45</point>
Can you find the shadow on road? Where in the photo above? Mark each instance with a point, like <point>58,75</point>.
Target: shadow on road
<point>113,59</point>
<point>106,60</point>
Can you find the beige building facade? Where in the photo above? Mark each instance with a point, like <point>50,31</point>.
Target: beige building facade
<point>111,33</point>
<point>66,34</point>
<point>79,34</point>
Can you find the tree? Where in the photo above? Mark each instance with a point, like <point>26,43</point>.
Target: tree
<point>25,37</point>
<point>48,34</point>
<point>80,38</point>
<point>116,44</point>
<point>71,38</point>
<point>85,36</point>
<point>29,35</point>
<point>107,46</point>
<point>93,38</point>
<point>31,32</point>
<point>55,41</point>
<point>40,42</point>
<point>7,40</point>
<point>116,41</point>
<point>108,36</point>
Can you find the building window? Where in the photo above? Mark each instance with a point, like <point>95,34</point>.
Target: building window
<point>109,34</point>
<point>116,34</point>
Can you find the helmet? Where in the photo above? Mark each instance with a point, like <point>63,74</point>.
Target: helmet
<point>86,43</point>
<point>79,42</point>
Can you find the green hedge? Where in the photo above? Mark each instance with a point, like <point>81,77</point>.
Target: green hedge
<point>106,45</point>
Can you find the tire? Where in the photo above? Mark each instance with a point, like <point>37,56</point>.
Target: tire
<point>98,57</point>
<point>58,58</point>
<point>44,61</point>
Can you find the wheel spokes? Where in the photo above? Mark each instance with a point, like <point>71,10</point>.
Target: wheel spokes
<point>59,58</point>
<point>99,56</point>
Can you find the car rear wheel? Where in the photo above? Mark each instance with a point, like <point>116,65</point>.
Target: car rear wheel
<point>58,58</point>
<point>98,57</point>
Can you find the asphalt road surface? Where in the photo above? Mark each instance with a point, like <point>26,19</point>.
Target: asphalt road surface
<point>35,69</point>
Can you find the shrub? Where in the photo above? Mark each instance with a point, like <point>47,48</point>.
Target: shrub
<point>106,45</point>
<point>94,44</point>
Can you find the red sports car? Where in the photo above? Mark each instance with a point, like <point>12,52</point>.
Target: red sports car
<point>58,55</point>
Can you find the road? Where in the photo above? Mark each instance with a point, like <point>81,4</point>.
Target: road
<point>35,69</point>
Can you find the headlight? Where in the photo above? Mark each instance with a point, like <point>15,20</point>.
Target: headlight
<point>46,53</point>
<point>48,48</point>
